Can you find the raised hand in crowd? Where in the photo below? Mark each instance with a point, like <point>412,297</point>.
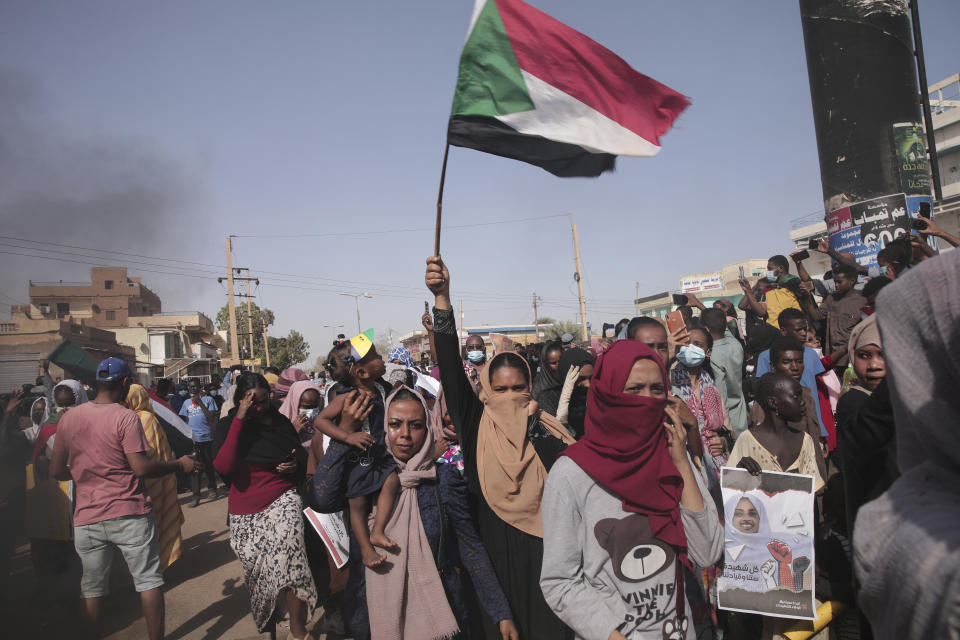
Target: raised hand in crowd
<point>245,403</point>
<point>15,398</point>
<point>676,340</point>
<point>437,279</point>
<point>933,229</point>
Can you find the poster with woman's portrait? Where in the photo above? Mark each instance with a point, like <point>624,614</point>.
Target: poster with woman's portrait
<point>768,564</point>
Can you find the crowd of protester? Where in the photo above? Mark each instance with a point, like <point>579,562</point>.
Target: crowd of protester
<point>541,491</point>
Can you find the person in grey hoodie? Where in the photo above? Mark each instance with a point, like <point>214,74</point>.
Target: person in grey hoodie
<point>906,543</point>
<point>624,510</point>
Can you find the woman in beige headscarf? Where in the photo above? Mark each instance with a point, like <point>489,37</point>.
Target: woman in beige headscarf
<point>163,490</point>
<point>508,446</point>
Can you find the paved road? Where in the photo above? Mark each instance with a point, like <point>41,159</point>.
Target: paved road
<point>204,592</point>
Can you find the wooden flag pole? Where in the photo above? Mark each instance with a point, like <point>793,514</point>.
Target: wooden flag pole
<point>443,177</point>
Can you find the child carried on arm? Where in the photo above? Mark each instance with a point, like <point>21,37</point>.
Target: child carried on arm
<point>355,422</point>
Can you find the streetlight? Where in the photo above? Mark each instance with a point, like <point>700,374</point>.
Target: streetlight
<point>356,299</point>
<point>334,327</point>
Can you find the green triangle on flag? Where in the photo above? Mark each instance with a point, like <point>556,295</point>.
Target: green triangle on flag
<point>490,82</point>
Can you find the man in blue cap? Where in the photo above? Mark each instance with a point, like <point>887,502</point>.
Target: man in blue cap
<point>100,445</point>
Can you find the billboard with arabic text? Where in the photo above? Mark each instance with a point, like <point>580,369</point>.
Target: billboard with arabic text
<point>864,228</point>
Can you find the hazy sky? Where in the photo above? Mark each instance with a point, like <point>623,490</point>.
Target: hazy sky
<point>158,128</point>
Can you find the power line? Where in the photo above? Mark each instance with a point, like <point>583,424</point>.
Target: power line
<point>87,262</point>
<point>418,230</point>
<point>381,291</point>
<point>154,261</point>
<point>10,298</point>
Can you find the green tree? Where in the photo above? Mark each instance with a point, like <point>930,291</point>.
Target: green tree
<point>288,351</point>
<point>262,319</point>
<point>558,328</point>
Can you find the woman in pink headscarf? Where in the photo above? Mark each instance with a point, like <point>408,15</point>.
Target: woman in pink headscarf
<point>301,405</point>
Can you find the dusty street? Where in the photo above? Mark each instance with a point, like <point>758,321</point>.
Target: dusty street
<point>205,594</point>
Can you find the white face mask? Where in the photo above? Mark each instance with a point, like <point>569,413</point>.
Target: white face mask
<point>310,414</point>
<point>818,351</point>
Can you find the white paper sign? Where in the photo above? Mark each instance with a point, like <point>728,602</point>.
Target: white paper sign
<point>333,531</point>
<point>768,544</point>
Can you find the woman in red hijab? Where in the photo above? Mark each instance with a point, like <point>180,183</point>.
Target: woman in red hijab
<point>623,509</point>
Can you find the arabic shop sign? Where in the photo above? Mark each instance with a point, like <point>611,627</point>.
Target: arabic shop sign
<point>702,282</point>
<point>864,228</point>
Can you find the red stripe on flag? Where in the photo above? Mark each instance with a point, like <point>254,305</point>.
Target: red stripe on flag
<point>588,71</point>
<point>331,546</point>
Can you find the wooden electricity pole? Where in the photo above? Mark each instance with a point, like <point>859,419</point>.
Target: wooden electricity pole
<point>584,336</point>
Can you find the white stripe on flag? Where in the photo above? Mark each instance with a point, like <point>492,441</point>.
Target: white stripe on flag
<point>169,416</point>
<point>561,117</point>
<point>477,8</point>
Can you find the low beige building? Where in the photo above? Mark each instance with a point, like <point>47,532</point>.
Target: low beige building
<point>707,287</point>
<point>183,343</point>
<point>29,336</point>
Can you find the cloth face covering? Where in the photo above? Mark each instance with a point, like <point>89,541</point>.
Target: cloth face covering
<point>510,471</point>
<point>624,447</point>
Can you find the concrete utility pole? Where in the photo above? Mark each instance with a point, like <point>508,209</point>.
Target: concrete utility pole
<point>536,320</point>
<point>578,276</point>
<point>874,163</point>
<point>235,351</point>
<point>249,313</point>
<point>266,346</point>
<point>231,307</point>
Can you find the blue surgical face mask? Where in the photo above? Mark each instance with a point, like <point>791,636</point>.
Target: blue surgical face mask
<point>691,355</point>
<point>310,414</point>
<point>772,276</point>
<point>883,270</point>
<point>476,357</point>
<point>183,393</point>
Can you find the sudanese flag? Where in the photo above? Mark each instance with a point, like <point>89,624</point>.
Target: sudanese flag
<point>533,89</point>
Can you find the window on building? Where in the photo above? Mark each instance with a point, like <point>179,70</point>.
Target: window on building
<point>111,315</point>
<point>173,345</point>
<point>63,309</point>
<point>108,284</point>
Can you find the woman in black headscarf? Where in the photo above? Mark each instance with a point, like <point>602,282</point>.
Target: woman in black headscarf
<point>259,450</point>
<point>575,370</point>
<point>548,382</point>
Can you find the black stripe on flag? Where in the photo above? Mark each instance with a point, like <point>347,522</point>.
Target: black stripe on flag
<point>559,158</point>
